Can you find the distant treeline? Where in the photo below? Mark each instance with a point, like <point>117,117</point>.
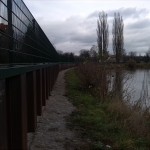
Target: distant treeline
<point>66,57</point>
<point>137,59</point>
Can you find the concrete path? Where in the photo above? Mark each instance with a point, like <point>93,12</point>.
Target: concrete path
<point>52,132</point>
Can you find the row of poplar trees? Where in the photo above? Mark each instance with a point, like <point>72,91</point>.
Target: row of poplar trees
<point>103,36</point>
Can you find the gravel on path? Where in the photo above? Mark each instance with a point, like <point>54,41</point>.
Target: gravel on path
<point>52,132</point>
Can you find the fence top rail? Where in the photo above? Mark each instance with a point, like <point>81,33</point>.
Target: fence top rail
<point>7,71</point>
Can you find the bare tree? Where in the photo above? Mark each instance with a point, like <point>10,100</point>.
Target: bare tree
<point>118,39</point>
<point>84,54</point>
<point>94,52</point>
<point>147,55</point>
<point>102,36</point>
<point>132,54</point>
<point>148,52</point>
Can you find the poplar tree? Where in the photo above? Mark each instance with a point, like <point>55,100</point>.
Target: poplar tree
<point>118,38</point>
<point>102,36</point>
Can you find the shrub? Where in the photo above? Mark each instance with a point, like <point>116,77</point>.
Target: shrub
<point>95,78</point>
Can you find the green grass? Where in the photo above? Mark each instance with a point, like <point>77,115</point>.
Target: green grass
<point>96,122</point>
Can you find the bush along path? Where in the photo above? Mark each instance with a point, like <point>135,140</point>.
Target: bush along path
<point>52,132</point>
<point>107,124</point>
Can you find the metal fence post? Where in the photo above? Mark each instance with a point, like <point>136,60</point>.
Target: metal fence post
<point>16,112</point>
<point>31,101</point>
<point>3,117</point>
<point>49,84</point>
<point>39,91</point>
<point>43,87</point>
<point>46,71</point>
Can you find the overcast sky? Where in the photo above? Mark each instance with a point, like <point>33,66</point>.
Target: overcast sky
<point>71,24</point>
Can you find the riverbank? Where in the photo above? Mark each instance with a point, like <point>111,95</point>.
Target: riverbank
<point>109,124</point>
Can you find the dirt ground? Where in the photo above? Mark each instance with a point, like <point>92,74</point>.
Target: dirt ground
<point>52,132</point>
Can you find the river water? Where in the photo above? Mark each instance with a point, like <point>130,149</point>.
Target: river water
<point>139,86</point>
<point>133,86</point>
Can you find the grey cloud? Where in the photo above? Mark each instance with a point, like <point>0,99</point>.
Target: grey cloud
<point>125,12</point>
<point>129,12</point>
<point>137,41</point>
<point>137,35</point>
<point>77,33</point>
<point>139,24</point>
<point>73,33</point>
<point>93,14</point>
<point>83,38</point>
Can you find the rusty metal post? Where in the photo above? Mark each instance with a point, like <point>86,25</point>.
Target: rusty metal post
<point>31,101</point>
<point>48,81</point>
<point>16,112</point>
<point>43,88</point>
<point>49,75</point>
<point>51,78</point>
<point>39,91</point>
<point>3,117</point>
<point>46,75</point>
<point>53,75</point>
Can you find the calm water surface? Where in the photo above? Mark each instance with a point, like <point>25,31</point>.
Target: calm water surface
<point>137,85</point>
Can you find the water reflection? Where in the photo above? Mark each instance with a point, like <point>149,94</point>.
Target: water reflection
<point>104,78</point>
<point>141,85</point>
<point>118,84</point>
<point>132,86</point>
